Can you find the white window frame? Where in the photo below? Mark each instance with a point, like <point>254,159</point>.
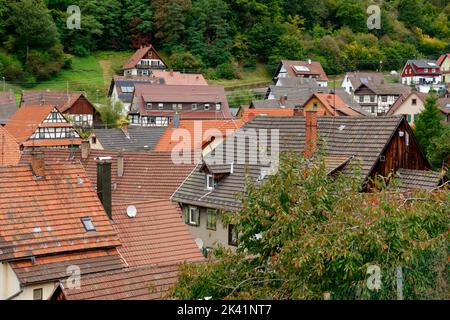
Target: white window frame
<point>193,211</point>
<point>218,106</point>
<point>209,179</point>
<point>160,106</point>
<point>194,106</point>
<point>206,107</point>
<point>148,106</point>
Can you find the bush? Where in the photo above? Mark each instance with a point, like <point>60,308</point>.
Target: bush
<point>10,68</point>
<point>225,71</point>
<point>185,60</point>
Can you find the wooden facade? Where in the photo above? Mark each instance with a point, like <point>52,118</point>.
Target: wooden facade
<point>402,151</point>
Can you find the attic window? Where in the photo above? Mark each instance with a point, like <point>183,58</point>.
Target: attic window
<point>88,225</point>
<point>206,106</point>
<point>148,106</point>
<point>209,181</point>
<point>218,105</point>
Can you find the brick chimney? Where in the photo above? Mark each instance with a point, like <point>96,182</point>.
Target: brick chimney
<point>299,112</point>
<point>85,149</point>
<point>104,184</point>
<point>38,164</point>
<point>283,99</point>
<point>311,133</point>
<point>120,164</point>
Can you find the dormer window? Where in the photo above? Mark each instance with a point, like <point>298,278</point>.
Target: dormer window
<point>206,106</point>
<point>209,181</point>
<point>87,223</point>
<point>148,106</point>
<point>218,105</point>
<point>194,106</point>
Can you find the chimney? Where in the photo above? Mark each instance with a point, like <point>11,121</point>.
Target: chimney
<point>283,99</point>
<point>85,149</point>
<point>120,164</point>
<point>176,120</point>
<point>309,61</point>
<point>311,133</point>
<point>38,164</point>
<point>104,184</point>
<point>171,72</point>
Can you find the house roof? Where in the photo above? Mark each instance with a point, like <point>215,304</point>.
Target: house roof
<point>399,102</point>
<point>249,114</point>
<point>137,56</point>
<point>358,77</point>
<point>43,216</point>
<point>296,82</point>
<point>442,57</point>
<point>297,96</point>
<point>54,267</point>
<point>304,68</point>
<point>129,81</point>
<point>444,104</point>
<point>363,138</point>
<point>28,119</point>
<point>156,235</point>
<point>182,94</point>
<point>149,283</point>
<point>9,149</point>
<point>334,104</point>
<point>135,138</point>
<point>424,64</point>
<point>147,175</point>
<point>418,179</point>
<point>7,106</point>
<point>385,88</point>
<point>276,103</point>
<point>63,101</point>
<point>178,78</point>
<point>205,129</point>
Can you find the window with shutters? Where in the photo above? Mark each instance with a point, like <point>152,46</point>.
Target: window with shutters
<point>408,117</point>
<point>211,219</point>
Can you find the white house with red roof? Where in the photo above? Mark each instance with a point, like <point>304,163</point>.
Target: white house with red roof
<point>424,74</point>
<point>143,62</point>
<point>444,63</point>
<point>302,69</point>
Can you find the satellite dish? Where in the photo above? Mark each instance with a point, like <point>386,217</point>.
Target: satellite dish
<point>131,211</point>
<point>199,243</point>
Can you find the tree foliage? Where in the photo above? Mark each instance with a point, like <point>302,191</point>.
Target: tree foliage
<point>303,233</point>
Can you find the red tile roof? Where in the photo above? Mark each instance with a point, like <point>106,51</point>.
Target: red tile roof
<point>178,78</point>
<point>156,235</point>
<point>333,102</point>
<point>54,267</point>
<point>203,128</point>
<point>248,114</point>
<point>442,58</point>
<point>43,216</point>
<point>137,56</point>
<point>9,149</point>
<point>315,68</point>
<point>60,99</point>
<point>147,175</point>
<point>150,283</point>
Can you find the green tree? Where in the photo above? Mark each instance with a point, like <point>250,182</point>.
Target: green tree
<point>350,13</point>
<point>111,114</point>
<point>429,123</point>
<point>439,150</point>
<point>303,233</point>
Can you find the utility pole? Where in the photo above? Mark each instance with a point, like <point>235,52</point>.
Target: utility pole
<point>4,84</point>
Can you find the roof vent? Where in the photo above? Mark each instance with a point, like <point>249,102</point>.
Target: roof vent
<point>80,181</point>
<point>131,211</point>
<point>36,230</point>
<point>341,127</point>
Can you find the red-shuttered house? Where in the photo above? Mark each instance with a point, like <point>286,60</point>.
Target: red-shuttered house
<point>425,74</point>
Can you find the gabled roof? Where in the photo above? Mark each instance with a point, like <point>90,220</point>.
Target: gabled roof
<point>63,101</point>
<point>358,77</point>
<point>182,94</point>
<point>9,149</point>
<point>385,88</point>
<point>334,104</point>
<point>181,79</point>
<point>129,81</point>
<point>296,82</point>
<point>7,106</point>
<point>149,283</point>
<point>156,235</point>
<point>43,216</point>
<point>147,175</point>
<point>399,102</point>
<point>424,64</point>
<point>295,68</point>
<point>363,138</point>
<point>206,129</point>
<point>137,56</point>
<point>442,57</point>
<point>444,105</point>
<point>249,114</point>
<point>135,138</point>
<point>28,119</point>
<point>276,103</point>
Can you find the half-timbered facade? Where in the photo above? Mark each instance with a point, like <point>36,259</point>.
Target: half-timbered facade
<point>42,126</point>
<point>143,62</point>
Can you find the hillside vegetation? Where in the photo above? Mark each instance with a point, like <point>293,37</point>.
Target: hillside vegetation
<point>221,38</point>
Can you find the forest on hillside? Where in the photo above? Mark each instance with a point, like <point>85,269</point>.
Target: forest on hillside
<point>224,36</point>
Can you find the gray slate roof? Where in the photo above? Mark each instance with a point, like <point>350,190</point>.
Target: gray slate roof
<point>139,137</point>
<point>7,106</point>
<point>361,137</point>
<point>418,179</point>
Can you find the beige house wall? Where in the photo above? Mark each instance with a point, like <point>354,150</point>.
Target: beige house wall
<point>407,107</point>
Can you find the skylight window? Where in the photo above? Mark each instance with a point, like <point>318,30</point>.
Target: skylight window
<point>301,68</point>
<point>88,225</point>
